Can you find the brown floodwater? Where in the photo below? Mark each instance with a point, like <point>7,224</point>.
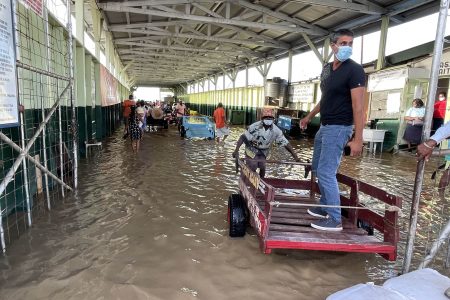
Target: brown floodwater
<point>153,226</point>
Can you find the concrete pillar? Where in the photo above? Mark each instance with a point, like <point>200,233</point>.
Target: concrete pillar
<point>107,50</point>
<point>383,38</point>
<point>79,16</point>
<point>97,27</point>
<point>80,88</point>
<point>90,98</point>
<point>99,130</point>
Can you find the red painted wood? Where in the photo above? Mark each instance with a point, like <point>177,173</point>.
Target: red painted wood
<point>377,193</point>
<point>288,183</point>
<point>288,227</point>
<point>275,228</point>
<point>345,247</point>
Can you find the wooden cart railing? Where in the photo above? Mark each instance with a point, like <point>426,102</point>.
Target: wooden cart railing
<point>261,194</point>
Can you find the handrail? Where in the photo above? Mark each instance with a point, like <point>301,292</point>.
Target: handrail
<point>279,162</point>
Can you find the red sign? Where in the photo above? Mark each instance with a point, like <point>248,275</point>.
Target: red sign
<point>35,5</point>
<point>108,87</point>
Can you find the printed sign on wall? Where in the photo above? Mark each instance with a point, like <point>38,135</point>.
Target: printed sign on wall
<point>9,114</point>
<point>303,93</point>
<point>387,80</point>
<point>108,87</point>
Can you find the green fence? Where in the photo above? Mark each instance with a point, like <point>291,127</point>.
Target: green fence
<point>246,99</point>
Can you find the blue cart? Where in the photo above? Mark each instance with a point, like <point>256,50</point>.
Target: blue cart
<point>289,125</point>
<point>197,127</point>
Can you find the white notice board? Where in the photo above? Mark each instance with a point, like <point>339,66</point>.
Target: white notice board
<point>9,114</point>
<point>303,93</point>
<point>387,80</point>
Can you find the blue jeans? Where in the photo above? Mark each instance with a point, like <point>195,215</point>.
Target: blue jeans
<point>329,145</point>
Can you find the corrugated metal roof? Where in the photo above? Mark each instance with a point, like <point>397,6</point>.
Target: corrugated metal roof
<point>177,41</point>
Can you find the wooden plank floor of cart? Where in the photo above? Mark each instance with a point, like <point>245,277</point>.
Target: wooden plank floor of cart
<point>290,229</point>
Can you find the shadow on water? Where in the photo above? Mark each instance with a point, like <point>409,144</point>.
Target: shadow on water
<point>153,226</point>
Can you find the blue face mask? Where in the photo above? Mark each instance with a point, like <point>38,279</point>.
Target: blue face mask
<point>344,53</point>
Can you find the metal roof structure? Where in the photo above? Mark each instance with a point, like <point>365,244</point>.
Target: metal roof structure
<point>168,42</point>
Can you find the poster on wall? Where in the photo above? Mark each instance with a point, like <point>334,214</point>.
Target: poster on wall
<point>393,103</point>
<point>108,88</point>
<point>303,93</point>
<point>9,113</point>
<point>387,80</point>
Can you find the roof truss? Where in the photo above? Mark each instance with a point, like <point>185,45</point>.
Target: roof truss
<point>186,39</point>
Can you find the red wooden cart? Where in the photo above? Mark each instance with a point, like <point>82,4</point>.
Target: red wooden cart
<point>282,222</point>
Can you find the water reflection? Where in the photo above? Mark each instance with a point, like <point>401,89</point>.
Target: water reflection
<point>153,226</point>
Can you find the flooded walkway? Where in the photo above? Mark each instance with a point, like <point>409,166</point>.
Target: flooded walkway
<point>153,226</point>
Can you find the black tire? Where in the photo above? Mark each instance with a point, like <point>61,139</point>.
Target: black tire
<point>182,132</point>
<point>366,226</point>
<point>237,215</point>
<point>166,125</point>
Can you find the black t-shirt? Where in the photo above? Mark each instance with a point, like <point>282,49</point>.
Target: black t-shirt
<point>336,101</point>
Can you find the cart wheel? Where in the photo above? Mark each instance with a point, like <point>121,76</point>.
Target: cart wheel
<point>237,215</point>
<point>229,210</point>
<point>182,132</point>
<point>366,226</point>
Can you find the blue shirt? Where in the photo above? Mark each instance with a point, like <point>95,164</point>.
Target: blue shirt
<point>442,133</point>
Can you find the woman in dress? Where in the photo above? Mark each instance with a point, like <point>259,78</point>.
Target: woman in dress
<point>414,118</point>
<point>134,128</point>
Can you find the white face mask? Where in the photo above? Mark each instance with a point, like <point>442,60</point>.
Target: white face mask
<point>441,98</point>
<point>268,122</point>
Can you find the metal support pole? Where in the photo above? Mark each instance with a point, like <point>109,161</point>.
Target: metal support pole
<point>61,156</point>
<point>290,67</point>
<point>326,50</point>
<point>224,75</point>
<point>40,71</point>
<point>436,245</point>
<point>383,38</point>
<point>264,70</point>
<point>25,170</point>
<point>47,44</point>
<point>44,145</point>
<point>72,97</point>
<point>437,53</point>
<point>362,49</point>
<point>22,125</point>
<point>246,76</point>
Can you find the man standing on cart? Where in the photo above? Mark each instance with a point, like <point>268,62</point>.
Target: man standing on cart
<point>342,85</point>
<point>258,139</point>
